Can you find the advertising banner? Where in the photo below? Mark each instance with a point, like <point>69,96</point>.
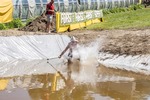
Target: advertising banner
<point>68,18</point>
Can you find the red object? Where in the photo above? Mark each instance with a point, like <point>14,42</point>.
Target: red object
<point>50,6</point>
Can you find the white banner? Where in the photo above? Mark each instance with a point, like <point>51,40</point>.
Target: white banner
<point>67,18</point>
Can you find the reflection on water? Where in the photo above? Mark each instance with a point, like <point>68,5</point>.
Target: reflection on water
<point>57,87</point>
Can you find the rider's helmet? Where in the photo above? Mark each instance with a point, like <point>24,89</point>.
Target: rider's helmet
<point>74,39</point>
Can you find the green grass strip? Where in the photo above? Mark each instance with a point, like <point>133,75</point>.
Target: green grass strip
<point>124,20</point>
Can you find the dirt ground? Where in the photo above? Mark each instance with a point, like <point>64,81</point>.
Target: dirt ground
<point>128,42</point>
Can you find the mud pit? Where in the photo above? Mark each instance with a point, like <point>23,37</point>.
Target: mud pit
<point>110,84</point>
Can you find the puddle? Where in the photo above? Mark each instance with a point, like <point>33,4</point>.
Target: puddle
<point>82,81</point>
<point>108,86</point>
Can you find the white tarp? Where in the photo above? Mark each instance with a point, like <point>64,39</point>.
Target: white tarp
<point>137,64</point>
<point>28,54</point>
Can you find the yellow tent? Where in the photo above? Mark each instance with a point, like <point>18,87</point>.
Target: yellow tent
<point>6,11</point>
<point>3,83</point>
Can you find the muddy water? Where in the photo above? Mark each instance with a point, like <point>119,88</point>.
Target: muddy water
<point>110,84</point>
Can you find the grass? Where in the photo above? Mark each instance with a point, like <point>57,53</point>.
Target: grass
<point>124,20</point>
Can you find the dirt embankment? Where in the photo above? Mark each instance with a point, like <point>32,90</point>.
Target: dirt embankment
<point>37,24</point>
<point>128,44</point>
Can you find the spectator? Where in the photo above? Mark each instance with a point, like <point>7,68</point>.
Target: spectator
<point>50,14</point>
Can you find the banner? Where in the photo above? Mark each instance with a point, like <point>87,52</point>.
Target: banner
<point>69,18</point>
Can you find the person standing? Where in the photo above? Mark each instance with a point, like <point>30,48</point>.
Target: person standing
<point>50,14</point>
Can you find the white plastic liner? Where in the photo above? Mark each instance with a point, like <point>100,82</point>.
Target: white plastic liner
<point>26,55</point>
<point>138,64</point>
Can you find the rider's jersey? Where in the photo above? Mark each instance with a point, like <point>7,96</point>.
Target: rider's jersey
<point>73,50</point>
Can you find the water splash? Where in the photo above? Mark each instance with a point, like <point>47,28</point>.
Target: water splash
<point>88,60</point>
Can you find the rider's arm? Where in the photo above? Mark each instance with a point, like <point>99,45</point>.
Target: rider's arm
<point>64,51</point>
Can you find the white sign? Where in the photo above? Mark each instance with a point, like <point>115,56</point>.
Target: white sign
<point>67,18</point>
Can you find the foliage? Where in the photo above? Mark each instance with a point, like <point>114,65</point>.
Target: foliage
<point>123,9</point>
<point>2,26</point>
<point>16,23</point>
<point>136,7</point>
